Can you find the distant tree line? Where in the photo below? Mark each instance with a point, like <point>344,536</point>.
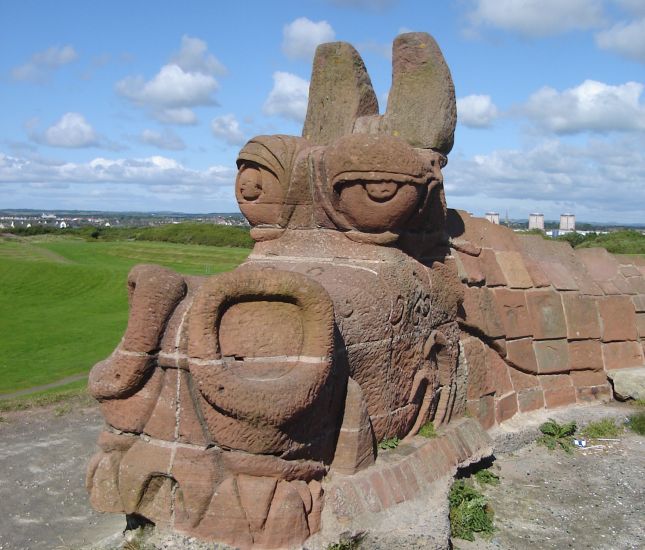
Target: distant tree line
<point>181,233</point>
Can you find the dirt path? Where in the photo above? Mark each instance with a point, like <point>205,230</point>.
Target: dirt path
<point>43,503</point>
<point>43,387</point>
<point>590,499</point>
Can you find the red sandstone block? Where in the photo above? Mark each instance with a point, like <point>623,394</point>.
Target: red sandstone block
<point>559,397</point>
<point>487,411</point>
<point>422,468</point>
<point>640,324</point>
<point>490,268</point>
<point>382,489</point>
<point>515,316</point>
<point>618,319</point>
<point>552,356</point>
<point>345,500</point>
<point>561,278</point>
<point>639,302</point>
<point>468,268</point>
<point>531,399</point>
<point>522,380</point>
<point>499,345</point>
<point>506,407</point>
<point>622,355</point>
<point>555,382</point>
<point>585,355</point>
<point>481,311</point>
<point>499,372</point>
<point>472,408</point>
<point>637,284</point>
<point>601,265</point>
<point>512,265</point>
<point>593,393</point>
<point>369,494</point>
<point>588,378</point>
<point>623,285</point>
<point>521,353</point>
<point>536,272</point>
<point>581,315</point>
<point>410,477</point>
<point>609,288</point>
<point>449,450</point>
<point>397,491</point>
<point>480,381</point>
<point>547,315</point>
<point>406,488</point>
<point>629,271</point>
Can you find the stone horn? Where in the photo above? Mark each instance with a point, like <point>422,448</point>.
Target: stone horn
<point>421,105</point>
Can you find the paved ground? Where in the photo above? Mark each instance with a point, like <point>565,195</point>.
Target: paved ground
<point>42,387</point>
<point>592,499</point>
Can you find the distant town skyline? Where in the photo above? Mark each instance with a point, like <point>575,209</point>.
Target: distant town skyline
<point>144,105</point>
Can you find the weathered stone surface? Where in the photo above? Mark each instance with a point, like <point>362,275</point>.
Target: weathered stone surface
<point>506,407</point>
<point>481,312</point>
<point>585,355</point>
<point>355,445</point>
<point>340,91</point>
<point>622,355</point>
<point>520,353</point>
<point>552,356</point>
<point>515,316</point>
<point>618,319</point>
<point>512,265</point>
<point>421,105</point>
<point>581,315</point>
<point>628,383</point>
<point>547,315</point>
<point>491,269</point>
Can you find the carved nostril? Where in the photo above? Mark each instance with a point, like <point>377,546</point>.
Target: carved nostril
<point>382,191</point>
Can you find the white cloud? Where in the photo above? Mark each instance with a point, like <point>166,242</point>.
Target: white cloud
<point>537,17</point>
<point>171,87</point>
<point>187,81</point>
<point>600,180</point>
<point>71,131</point>
<point>182,115</point>
<point>288,98</point>
<point>625,38</point>
<point>592,106</point>
<point>42,64</point>
<point>227,128</point>
<point>165,139</point>
<point>193,57</point>
<point>637,7</point>
<point>300,37</point>
<point>476,111</point>
<point>154,170</point>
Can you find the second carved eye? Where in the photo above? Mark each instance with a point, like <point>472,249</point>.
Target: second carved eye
<point>250,183</point>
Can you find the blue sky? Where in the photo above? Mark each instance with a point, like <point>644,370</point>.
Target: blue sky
<point>143,105</point>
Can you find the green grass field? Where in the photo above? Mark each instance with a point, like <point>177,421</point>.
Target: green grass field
<point>63,302</point>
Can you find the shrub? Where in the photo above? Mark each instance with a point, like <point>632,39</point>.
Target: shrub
<point>486,477</point>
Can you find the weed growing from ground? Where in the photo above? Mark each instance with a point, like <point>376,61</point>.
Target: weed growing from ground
<point>427,430</point>
<point>469,512</point>
<point>602,428</point>
<point>391,443</point>
<point>556,435</point>
<point>349,543</point>
<point>636,423</point>
<point>486,477</point>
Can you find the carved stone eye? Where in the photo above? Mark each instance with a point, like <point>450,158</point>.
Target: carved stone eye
<point>381,192</point>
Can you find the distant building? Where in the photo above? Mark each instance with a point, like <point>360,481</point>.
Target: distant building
<point>536,221</point>
<point>493,217</point>
<point>567,222</point>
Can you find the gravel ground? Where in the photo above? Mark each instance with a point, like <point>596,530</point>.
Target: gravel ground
<point>43,502</point>
<point>592,499</point>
